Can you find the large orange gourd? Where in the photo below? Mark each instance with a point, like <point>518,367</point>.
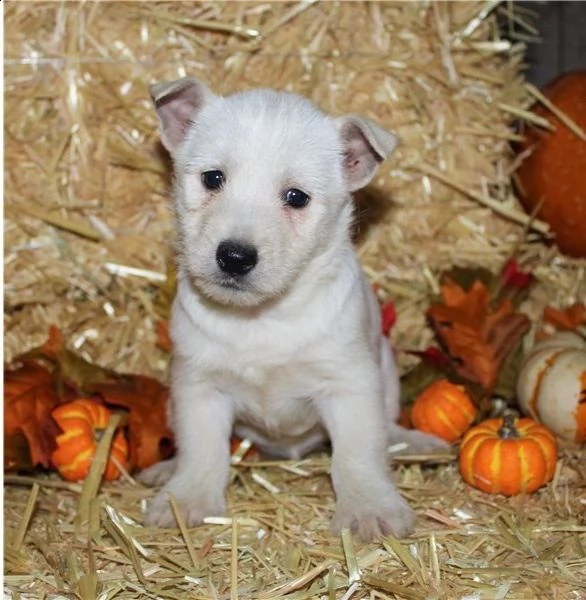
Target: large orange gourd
<point>555,171</point>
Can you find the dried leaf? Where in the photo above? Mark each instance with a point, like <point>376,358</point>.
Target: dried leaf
<point>388,317</point>
<point>432,356</point>
<point>68,375</point>
<point>477,337</point>
<point>512,276</point>
<point>29,398</point>
<point>506,386</point>
<point>511,283</point>
<point>416,380</point>
<point>146,399</point>
<point>163,338</point>
<point>568,319</point>
<point>466,277</point>
<point>71,371</point>
<point>17,456</point>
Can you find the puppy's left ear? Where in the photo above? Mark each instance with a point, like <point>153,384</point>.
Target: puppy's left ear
<point>365,146</point>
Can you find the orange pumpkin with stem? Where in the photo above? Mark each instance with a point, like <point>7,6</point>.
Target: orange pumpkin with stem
<point>83,422</point>
<point>443,409</point>
<point>508,456</point>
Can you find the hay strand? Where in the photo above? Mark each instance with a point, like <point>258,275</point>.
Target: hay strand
<point>567,121</point>
<point>234,561</point>
<point>92,482</point>
<point>184,531</point>
<point>26,518</point>
<point>498,208</point>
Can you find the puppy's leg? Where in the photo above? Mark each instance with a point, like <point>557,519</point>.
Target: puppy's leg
<point>367,501</point>
<point>202,425</point>
<point>416,441</point>
<point>158,474</point>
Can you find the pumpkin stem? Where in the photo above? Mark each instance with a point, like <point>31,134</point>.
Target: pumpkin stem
<point>508,431</point>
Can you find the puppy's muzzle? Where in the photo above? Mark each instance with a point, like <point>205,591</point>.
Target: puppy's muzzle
<point>236,258</point>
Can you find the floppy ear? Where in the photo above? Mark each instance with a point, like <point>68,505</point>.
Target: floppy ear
<point>365,145</point>
<point>177,103</point>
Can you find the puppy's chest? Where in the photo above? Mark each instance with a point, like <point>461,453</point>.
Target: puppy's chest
<point>272,397</point>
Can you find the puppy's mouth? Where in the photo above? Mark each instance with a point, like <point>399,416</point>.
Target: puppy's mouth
<point>231,290</point>
<point>231,283</point>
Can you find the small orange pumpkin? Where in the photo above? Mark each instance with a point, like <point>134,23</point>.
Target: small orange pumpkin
<point>443,409</point>
<point>83,422</point>
<point>508,456</point>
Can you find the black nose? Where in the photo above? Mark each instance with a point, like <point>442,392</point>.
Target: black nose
<point>236,258</point>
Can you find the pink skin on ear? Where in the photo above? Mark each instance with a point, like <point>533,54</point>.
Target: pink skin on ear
<point>177,103</point>
<point>365,145</point>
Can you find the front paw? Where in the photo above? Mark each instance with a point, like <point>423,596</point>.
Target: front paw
<point>158,474</point>
<point>193,506</point>
<point>422,443</point>
<point>373,517</point>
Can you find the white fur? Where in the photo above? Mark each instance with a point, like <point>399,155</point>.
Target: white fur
<point>295,356</point>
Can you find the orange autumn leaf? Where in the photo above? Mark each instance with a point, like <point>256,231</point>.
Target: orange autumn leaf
<point>146,399</point>
<point>477,337</point>
<point>68,375</point>
<point>568,319</point>
<point>163,337</point>
<point>29,398</point>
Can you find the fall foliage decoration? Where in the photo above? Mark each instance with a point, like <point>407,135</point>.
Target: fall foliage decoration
<point>443,409</point>
<point>163,337</point>
<point>52,375</point>
<point>146,399</point>
<point>477,334</point>
<point>388,317</point>
<point>552,384</point>
<point>571,318</point>
<point>29,398</point>
<point>551,177</point>
<point>82,423</point>
<point>508,456</point>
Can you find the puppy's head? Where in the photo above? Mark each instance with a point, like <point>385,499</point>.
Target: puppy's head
<point>262,184</point>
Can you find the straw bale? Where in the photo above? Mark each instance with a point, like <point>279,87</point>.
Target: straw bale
<point>88,239</point>
<point>88,224</point>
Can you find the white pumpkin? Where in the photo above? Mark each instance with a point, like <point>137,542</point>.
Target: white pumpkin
<point>552,385</point>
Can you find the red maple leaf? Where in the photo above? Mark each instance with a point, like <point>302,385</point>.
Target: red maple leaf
<point>388,317</point>
<point>512,276</point>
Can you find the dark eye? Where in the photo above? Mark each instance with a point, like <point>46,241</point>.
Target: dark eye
<point>296,198</point>
<point>212,180</point>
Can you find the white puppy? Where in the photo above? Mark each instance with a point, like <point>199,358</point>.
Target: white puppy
<point>276,332</point>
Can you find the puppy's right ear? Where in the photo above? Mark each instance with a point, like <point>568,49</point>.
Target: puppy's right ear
<point>177,103</point>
